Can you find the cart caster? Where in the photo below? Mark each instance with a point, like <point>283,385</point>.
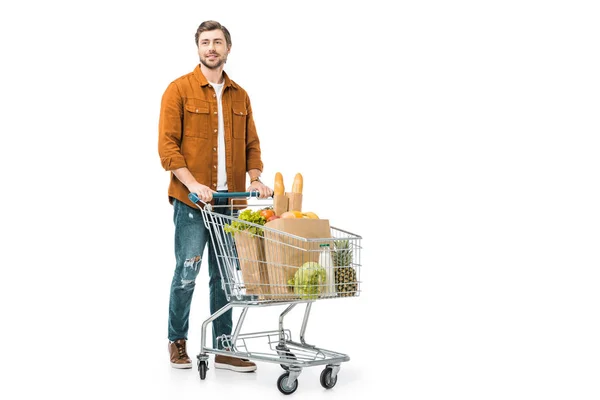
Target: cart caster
<point>326,380</point>
<point>202,367</point>
<point>290,356</point>
<point>282,384</point>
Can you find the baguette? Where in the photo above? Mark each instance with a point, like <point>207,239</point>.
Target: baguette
<point>298,183</point>
<point>279,188</point>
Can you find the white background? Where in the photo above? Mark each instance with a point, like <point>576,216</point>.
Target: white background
<point>460,139</point>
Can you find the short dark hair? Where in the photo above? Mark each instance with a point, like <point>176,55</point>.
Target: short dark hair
<point>211,26</point>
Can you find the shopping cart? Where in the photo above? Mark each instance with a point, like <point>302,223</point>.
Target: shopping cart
<point>261,267</point>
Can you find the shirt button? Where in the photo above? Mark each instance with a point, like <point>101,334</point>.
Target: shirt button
<point>196,110</point>
<point>215,130</point>
<point>214,184</point>
<point>214,166</point>
<point>214,149</point>
<point>215,112</point>
<point>214,95</point>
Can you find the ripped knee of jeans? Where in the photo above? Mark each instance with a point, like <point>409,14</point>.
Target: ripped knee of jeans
<point>193,263</point>
<point>191,266</point>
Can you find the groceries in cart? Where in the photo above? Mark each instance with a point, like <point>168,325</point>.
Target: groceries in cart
<point>284,252</point>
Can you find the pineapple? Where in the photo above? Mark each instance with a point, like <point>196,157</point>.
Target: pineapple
<point>345,274</point>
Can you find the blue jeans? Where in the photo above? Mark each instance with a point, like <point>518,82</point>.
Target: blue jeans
<point>191,237</point>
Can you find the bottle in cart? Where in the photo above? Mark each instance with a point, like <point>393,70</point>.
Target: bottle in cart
<point>326,262</point>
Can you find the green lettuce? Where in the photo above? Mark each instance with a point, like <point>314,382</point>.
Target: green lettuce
<point>250,216</point>
<point>308,279</point>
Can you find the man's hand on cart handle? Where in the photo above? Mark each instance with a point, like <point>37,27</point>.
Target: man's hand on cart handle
<point>186,177</point>
<point>203,192</point>
<point>263,190</point>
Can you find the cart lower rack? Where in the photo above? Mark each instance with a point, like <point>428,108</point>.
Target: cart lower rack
<point>260,267</point>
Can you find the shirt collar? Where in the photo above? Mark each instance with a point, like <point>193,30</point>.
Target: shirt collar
<point>204,82</point>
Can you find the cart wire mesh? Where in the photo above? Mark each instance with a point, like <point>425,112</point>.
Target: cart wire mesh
<point>267,265</point>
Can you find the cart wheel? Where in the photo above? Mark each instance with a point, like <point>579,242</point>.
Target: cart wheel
<point>291,356</point>
<point>202,367</point>
<point>282,384</point>
<point>326,381</point>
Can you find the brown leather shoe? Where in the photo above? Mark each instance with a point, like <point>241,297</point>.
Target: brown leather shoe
<point>234,364</point>
<point>179,357</point>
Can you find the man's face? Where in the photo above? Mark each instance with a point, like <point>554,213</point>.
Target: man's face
<point>212,49</point>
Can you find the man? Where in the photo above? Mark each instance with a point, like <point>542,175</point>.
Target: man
<point>208,141</point>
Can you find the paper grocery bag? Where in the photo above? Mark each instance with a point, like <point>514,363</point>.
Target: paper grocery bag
<point>251,256</point>
<point>280,204</point>
<point>294,201</point>
<point>286,251</point>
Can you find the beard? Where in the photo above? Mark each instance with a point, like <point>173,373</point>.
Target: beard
<point>213,64</point>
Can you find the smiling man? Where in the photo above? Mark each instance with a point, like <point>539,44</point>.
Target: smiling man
<point>208,141</point>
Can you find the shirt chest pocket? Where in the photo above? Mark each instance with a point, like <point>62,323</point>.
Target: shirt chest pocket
<point>196,118</point>
<point>240,115</point>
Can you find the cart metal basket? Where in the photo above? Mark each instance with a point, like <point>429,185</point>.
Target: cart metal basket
<point>261,266</point>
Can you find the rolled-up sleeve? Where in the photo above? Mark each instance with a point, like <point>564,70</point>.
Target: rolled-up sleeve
<point>169,129</point>
<point>253,155</point>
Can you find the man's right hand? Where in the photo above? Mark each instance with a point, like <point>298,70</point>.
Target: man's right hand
<point>203,192</point>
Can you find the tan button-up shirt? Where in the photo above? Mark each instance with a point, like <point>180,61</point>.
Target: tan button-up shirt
<point>187,133</point>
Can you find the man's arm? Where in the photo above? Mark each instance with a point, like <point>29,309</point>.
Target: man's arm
<point>256,185</point>
<point>169,142</point>
<point>186,177</point>
<point>254,163</point>
<point>169,129</point>
<point>254,174</point>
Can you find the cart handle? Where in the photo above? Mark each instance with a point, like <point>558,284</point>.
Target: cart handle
<point>194,197</point>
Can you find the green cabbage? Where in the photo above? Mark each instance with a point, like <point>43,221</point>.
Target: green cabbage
<point>308,280</point>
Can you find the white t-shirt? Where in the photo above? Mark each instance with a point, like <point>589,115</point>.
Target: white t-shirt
<point>221,168</point>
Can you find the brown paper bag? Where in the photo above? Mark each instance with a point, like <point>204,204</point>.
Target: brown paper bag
<point>280,204</point>
<point>285,253</point>
<point>251,255</point>
<point>295,201</point>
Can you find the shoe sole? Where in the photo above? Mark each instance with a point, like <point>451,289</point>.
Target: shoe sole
<point>234,368</point>
<point>181,366</point>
